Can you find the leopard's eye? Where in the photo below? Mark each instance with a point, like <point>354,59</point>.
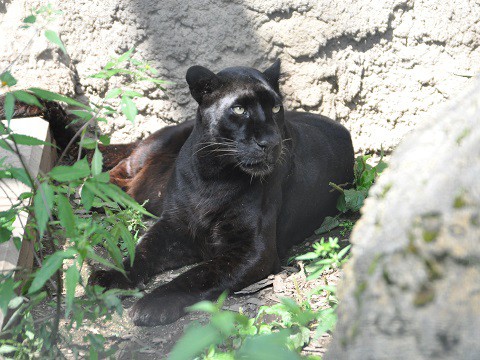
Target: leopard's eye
<point>276,109</point>
<point>239,110</point>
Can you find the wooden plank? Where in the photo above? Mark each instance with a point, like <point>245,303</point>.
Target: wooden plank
<point>36,158</point>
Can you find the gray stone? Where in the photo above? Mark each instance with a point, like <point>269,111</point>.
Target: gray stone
<point>412,287</point>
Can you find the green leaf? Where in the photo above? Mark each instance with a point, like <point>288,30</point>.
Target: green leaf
<point>65,213</point>
<point>329,223</point>
<point>103,261</point>
<point>221,299</point>
<point>380,167</point>
<point>113,93</point>
<point>16,302</point>
<point>28,140</point>
<point>129,108</point>
<point>30,19</point>
<point>291,305</point>
<point>341,205</point>
<point>97,162</point>
<point>71,280</point>
<point>103,177</point>
<point>300,338</point>
<point>224,321</point>
<point>7,293</point>
<point>105,139</point>
<point>112,247</point>
<point>109,65</point>
<point>9,106</point>
<point>205,306</point>
<point>79,170</point>
<point>82,114</point>
<point>314,274</point>
<point>307,256</point>
<point>53,37</point>
<point>112,301</point>
<point>281,311</point>
<point>267,347</point>
<point>93,187</point>
<point>21,175</point>
<point>6,146</point>
<point>343,252</point>
<point>5,234</point>
<point>328,319</point>
<point>367,178</point>
<point>131,93</point>
<point>324,262</point>
<point>51,96</point>
<point>354,199</point>
<point>6,78</point>
<point>88,143</point>
<point>42,205</point>
<point>53,263</point>
<point>87,197</point>
<point>195,340</point>
<point>6,349</point>
<point>125,56</point>
<point>118,195</point>
<point>127,240</point>
<point>27,98</point>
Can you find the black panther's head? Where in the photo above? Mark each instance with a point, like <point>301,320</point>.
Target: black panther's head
<point>241,115</point>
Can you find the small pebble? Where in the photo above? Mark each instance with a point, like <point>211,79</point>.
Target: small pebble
<point>234,307</point>
<point>159,340</point>
<point>255,301</point>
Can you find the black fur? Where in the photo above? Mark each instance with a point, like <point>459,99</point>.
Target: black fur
<point>243,189</point>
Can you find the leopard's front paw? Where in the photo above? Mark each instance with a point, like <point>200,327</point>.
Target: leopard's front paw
<point>154,310</point>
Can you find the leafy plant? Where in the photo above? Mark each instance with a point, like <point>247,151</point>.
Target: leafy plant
<point>365,175</point>
<point>325,255</point>
<point>352,199</point>
<point>346,226</point>
<point>232,335</point>
<point>70,232</point>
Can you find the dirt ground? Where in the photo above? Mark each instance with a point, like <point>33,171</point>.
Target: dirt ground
<point>133,342</point>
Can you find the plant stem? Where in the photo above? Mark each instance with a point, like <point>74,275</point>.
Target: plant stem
<point>336,187</point>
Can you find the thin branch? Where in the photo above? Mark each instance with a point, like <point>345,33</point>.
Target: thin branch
<point>77,134</point>
<point>23,50</point>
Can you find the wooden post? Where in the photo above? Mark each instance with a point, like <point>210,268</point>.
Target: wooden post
<point>36,158</point>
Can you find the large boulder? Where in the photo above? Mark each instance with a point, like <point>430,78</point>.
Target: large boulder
<point>412,287</point>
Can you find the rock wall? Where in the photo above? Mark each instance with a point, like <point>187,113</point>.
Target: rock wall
<point>376,66</point>
<point>412,287</point>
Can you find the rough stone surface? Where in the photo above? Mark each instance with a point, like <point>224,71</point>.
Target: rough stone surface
<point>412,288</point>
<point>376,66</point>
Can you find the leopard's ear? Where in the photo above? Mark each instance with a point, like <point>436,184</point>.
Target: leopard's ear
<point>272,74</point>
<point>201,81</point>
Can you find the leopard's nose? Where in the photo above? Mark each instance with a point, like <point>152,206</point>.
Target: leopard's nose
<point>262,144</point>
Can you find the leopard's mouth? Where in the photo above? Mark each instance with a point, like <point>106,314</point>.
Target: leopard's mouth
<point>256,167</point>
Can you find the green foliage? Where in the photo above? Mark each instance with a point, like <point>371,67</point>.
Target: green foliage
<point>325,255</point>
<point>7,79</point>
<point>351,200</point>
<point>53,37</point>
<point>69,230</point>
<point>346,226</point>
<point>365,175</point>
<point>232,335</point>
